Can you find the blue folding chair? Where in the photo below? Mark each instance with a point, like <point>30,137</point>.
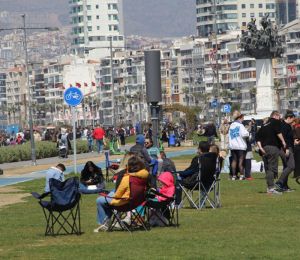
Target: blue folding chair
<point>62,211</point>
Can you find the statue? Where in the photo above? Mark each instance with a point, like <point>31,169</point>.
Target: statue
<point>264,43</point>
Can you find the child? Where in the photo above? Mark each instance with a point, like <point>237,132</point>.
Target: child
<point>167,189</point>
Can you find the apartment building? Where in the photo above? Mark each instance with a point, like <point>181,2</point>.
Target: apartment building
<point>3,101</point>
<point>16,95</point>
<point>231,15</point>
<point>125,98</point>
<point>95,23</point>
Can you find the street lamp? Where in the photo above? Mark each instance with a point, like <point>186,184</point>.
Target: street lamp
<point>24,28</point>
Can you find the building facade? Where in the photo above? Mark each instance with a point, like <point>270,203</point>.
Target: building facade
<point>230,15</point>
<point>95,23</point>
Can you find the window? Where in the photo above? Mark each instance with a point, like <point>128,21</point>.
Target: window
<point>244,23</point>
<point>97,6</point>
<point>243,14</point>
<point>89,18</point>
<point>260,5</point>
<point>261,14</point>
<point>88,7</point>
<point>97,17</point>
<point>90,28</point>
<point>252,15</point>
<point>243,6</point>
<point>98,28</point>
<point>251,5</point>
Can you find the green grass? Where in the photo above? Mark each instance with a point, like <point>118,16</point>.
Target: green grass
<point>250,225</point>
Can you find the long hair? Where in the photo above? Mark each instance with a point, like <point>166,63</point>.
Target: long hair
<point>135,164</point>
<point>91,164</point>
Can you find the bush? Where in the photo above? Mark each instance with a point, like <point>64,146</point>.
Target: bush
<point>43,149</point>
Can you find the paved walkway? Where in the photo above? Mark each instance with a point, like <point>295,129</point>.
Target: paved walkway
<point>24,171</point>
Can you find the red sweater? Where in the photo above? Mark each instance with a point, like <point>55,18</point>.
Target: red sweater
<point>98,133</point>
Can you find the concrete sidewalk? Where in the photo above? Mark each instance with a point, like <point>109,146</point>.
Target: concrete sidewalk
<point>25,167</point>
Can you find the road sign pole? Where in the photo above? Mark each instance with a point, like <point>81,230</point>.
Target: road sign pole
<point>74,139</point>
<point>73,97</point>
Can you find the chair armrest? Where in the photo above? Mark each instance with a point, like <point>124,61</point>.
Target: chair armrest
<point>40,196</point>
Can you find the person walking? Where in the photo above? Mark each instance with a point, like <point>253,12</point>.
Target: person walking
<point>237,145</point>
<point>98,135</point>
<point>224,129</point>
<point>288,159</point>
<point>296,132</point>
<point>270,140</point>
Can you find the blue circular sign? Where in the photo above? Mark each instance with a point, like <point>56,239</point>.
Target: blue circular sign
<point>73,96</point>
<point>227,108</point>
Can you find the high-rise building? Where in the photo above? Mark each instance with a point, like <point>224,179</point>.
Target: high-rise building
<point>94,24</point>
<point>286,11</point>
<point>230,15</point>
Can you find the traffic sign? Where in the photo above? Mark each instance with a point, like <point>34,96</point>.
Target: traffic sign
<point>73,96</point>
<point>214,103</point>
<point>226,108</point>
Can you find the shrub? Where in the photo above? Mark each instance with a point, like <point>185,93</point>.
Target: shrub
<point>43,149</point>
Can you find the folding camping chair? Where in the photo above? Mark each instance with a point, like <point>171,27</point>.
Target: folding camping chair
<point>206,181</point>
<point>166,212</point>
<point>137,198</point>
<point>111,166</point>
<point>62,212</point>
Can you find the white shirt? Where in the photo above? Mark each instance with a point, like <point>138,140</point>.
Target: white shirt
<point>237,134</point>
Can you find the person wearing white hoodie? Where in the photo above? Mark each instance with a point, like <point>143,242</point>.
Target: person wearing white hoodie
<point>237,144</point>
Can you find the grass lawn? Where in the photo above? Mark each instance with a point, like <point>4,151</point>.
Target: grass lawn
<point>250,225</point>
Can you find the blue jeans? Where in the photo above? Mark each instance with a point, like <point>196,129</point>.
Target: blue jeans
<point>84,189</point>
<point>99,145</point>
<point>103,211</point>
<point>90,145</point>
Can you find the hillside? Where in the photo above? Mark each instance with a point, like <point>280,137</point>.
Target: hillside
<point>156,18</point>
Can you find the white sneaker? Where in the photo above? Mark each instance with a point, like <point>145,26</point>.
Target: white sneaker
<point>242,177</point>
<point>272,191</point>
<point>103,227</point>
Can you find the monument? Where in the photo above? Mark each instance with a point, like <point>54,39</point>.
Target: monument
<point>263,44</point>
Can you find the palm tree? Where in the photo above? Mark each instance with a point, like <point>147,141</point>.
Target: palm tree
<point>277,85</point>
<point>253,92</point>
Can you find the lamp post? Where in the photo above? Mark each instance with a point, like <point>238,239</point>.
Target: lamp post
<point>24,28</point>
<point>217,65</point>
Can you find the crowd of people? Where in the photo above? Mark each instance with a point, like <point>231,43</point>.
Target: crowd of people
<point>276,138</point>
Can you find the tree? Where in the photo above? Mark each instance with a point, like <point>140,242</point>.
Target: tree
<point>277,85</point>
<point>190,114</point>
<point>253,92</point>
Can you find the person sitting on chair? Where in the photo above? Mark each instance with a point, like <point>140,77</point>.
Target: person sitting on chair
<point>136,167</point>
<point>194,166</point>
<point>91,179</point>
<point>57,173</point>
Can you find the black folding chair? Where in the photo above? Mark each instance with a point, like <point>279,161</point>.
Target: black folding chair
<point>206,182</point>
<point>62,211</point>
<point>166,211</point>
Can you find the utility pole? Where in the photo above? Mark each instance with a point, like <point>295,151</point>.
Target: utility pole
<point>112,83</point>
<point>217,65</point>
<point>32,143</point>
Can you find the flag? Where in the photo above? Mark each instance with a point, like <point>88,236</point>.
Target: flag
<point>85,84</point>
<point>93,84</point>
<point>78,85</point>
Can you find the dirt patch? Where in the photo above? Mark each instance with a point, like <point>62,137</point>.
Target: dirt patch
<point>11,195</point>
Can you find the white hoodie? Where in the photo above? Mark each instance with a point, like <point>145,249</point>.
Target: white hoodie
<point>237,134</point>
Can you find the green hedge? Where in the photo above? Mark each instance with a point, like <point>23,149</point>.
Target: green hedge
<point>44,149</point>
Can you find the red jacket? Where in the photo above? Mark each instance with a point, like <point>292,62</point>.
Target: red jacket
<point>98,133</point>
